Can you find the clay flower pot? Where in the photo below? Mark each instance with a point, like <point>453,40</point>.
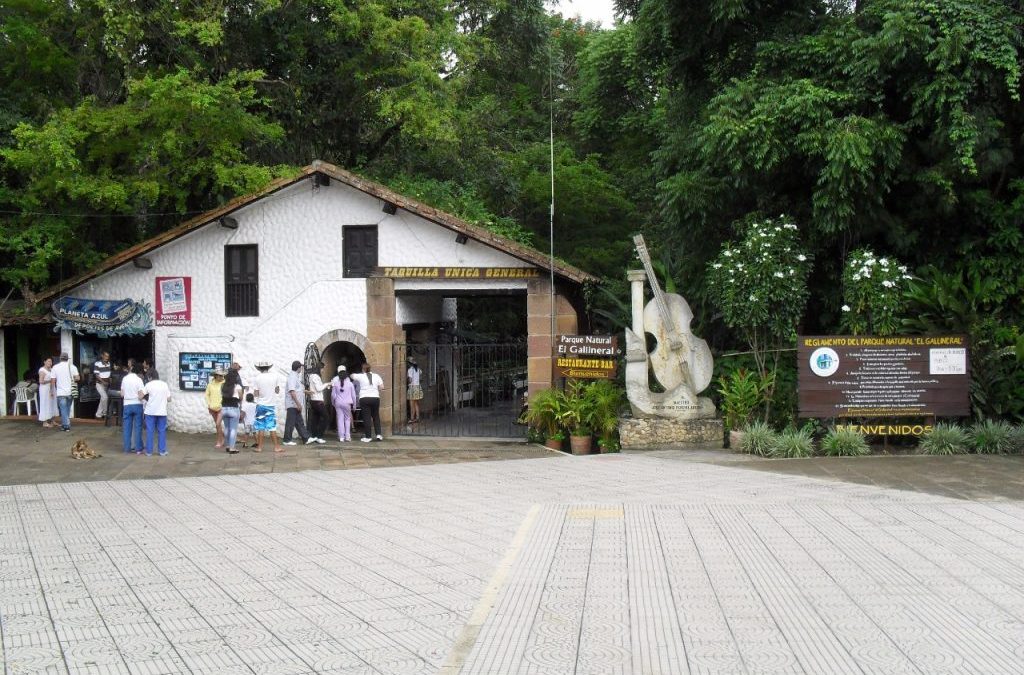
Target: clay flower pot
<point>554,443</point>
<point>581,445</point>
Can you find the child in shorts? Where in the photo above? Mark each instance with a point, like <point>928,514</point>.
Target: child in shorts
<point>248,417</point>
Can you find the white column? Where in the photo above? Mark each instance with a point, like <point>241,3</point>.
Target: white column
<point>636,283</point>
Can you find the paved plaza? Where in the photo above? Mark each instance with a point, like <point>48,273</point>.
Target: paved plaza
<point>658,563</point>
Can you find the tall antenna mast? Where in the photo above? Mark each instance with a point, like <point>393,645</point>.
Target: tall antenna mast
<point>551,146</point>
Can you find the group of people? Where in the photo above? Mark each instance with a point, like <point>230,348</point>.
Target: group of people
<point>144,394</point>
<point>231,403</point>
<point>231,406</point>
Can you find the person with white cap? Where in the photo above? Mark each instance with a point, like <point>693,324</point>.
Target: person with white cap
<point>265,390</point>
<point>343,398</point>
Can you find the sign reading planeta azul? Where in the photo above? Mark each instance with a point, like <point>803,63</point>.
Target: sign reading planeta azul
<point>102,317</point>
<point>893,376</point>
<point>588,357</point>
<point>459,272</point>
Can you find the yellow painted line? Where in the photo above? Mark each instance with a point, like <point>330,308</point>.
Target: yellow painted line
<point>596,513</point>
<point>464,644</point>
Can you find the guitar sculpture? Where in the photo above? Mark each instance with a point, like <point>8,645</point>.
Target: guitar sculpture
<point>681,362</point>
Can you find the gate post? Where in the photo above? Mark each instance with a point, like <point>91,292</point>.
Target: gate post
<point>540,343</point>
<point>382,333</point>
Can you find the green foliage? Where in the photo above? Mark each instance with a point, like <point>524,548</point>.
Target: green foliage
<point>945,439</point>
<point>545,411</point>
<point>794,443</point>
<point>758,439</point>
<point>967,303</point>
<point>742,394</point>
<point>991,437</point>
<point>605,401</point>
<point>175,141</point>
<point>462,201</point>
<point>844,443</point>
<point>760,285</point>
<point>1016,440</point>
<point>873,289</point>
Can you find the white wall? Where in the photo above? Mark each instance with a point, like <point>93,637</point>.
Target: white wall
<point>303,294</point>
<point>3,375</point>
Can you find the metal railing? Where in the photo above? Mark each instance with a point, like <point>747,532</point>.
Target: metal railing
<point>468,390</point>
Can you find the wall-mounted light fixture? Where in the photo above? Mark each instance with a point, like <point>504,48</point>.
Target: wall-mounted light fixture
<point>390,209</point>
<point>143,263</point>
<point>229,223</point>
<point>320,180</point>
<point>461,238</point>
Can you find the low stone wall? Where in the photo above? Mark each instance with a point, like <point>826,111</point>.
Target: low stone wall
<point>655,432</point>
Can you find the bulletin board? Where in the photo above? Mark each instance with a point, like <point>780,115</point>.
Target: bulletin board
<point>196,368</point>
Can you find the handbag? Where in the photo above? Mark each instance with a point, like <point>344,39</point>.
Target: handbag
<point>74,390</point>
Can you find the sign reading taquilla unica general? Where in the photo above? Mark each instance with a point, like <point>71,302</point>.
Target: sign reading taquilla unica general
<point>459,272</point>
<point>588,357</point>
<point>891,376</point>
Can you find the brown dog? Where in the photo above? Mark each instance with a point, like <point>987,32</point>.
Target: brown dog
<point>81,450</point>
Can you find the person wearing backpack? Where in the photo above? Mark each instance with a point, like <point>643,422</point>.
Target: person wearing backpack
<point>343,398</point>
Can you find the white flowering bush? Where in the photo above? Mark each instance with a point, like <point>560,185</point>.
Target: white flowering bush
<point>873,293</point>
<point>760,286</point>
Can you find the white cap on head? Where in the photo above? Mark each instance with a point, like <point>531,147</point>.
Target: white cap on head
<point>342,369</point>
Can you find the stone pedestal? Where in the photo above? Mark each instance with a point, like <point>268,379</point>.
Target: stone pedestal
<point>636,433</point>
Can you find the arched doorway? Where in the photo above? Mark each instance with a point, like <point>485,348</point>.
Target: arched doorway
<point>343,347</point>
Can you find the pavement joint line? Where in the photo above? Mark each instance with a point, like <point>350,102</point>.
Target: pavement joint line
<point>467,639</point>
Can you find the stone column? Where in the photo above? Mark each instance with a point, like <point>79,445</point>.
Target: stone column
<point>538,324</point>
<point>381,331</point>
<point>636,286</point>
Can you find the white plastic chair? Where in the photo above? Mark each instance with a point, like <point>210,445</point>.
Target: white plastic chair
<point>23,395</point>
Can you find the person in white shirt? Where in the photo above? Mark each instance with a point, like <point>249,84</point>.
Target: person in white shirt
<point>265,390</point>
<point>415,390</point>
<point>370,385</point>
<point>157,394</point>
<point>64,375</point>
<point>317,410</point>
<point>131,416</point>
<point>101,370</point>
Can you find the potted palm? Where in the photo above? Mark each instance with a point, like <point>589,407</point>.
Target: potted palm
<point>606,402</point>
<point>544,413</point>
<point>576,416</point>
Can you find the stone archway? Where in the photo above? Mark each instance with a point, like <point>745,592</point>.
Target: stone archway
<point>344,335</point>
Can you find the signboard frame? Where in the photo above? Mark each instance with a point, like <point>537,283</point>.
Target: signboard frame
<point>196,368</point>
<point>865,376</point>
<point>173,301</point>
<point>586,357</point>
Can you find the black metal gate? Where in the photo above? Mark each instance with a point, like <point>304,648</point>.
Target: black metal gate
<point>468,390</point>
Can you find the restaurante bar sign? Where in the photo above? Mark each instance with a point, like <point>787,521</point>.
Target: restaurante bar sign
<point>586,357</point>
<point>893,376</point>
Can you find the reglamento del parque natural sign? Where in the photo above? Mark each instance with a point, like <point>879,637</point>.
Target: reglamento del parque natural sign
<point>892,376</point>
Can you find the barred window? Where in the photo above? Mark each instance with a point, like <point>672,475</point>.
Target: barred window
<point>241,281</point>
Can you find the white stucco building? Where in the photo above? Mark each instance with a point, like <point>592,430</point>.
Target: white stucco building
<point>323,258</point>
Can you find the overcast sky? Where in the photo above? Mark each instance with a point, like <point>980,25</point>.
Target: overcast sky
<point>588,10</point>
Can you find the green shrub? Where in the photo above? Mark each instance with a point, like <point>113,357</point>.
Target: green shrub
<point>991,437</point>
<point>793,443</point>
<point>758,439</point>
<point>845,443</point>
<point>1017,439</point>
<point>742,393</point>
<point>945,439</point>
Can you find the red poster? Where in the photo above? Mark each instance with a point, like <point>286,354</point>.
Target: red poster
<point>174,301</point>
